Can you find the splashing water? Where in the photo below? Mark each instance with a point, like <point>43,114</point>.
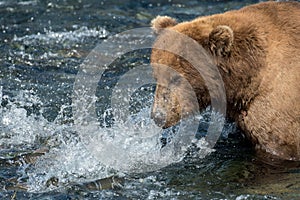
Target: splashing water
<point>134,146</point>
<point>77,35</point>
<point>19,128</point>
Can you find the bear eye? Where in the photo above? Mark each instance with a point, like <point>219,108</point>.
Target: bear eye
<point>175,79</point>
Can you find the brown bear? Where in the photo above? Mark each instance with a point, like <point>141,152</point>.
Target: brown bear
<point>257,52</point>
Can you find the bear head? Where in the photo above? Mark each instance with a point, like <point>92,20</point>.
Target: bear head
<point>178,82</point>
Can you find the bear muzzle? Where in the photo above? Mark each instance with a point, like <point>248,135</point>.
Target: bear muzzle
<point>166,119</point>
<point>159,117</point>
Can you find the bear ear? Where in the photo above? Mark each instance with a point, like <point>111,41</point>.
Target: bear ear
<point>161,22</point>
<point>221,40</point>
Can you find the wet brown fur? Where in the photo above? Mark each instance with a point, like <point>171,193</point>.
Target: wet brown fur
<point>259,62</point>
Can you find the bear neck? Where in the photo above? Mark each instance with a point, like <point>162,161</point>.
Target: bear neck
<point>240,69</point>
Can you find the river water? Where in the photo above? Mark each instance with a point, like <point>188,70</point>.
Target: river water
<point>49,151</point>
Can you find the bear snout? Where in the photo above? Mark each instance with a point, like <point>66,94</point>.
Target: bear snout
<point>158,117</point>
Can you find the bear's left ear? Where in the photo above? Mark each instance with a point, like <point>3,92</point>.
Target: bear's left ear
<point>221,40</point>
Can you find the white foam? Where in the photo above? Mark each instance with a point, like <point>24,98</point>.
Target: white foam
<point>134,146</point>
<point>51,37</point>
<point>17,127</point>
<point>27,3</point>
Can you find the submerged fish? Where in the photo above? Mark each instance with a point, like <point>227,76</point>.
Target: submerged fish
<point>112,182</point>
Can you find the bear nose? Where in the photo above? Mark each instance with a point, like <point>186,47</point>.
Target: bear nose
<point>159,118</point>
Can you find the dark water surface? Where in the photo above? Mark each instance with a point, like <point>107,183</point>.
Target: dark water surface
<point>42,45</point>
